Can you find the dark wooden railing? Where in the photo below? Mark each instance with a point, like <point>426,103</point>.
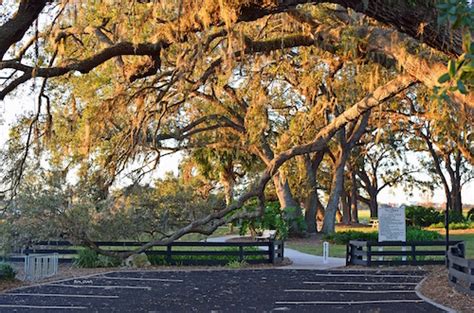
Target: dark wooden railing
<point>179,252</point>
<point>371,253</point>
<point>461,270</point>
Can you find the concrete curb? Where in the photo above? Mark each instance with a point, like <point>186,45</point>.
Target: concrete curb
<point>432,302</point>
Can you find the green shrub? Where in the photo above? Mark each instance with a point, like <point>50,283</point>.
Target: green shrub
<point>470,215</point>
<point>237,264</point>
<point>421,216</point>
<point>6,271</point>
<point>224,259</point>
<point>88,258</point>
<point>342,238</point>
<point>456,217</point>
<point>273,218</point>
<point>413,234</point>
<point>454,226</point>
<point>417,234</point>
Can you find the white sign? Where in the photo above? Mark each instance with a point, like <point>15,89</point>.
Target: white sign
<point>392,225</point>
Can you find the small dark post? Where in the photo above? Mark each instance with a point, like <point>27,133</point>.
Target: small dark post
<point>347,254</point>
<point>413,254</point>
<point>271,252</point>
<point>241,253</point>
<point>168,254</point>
<point>369,254</point>
<point>446,225</point>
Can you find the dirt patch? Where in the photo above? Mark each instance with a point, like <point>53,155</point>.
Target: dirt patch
<point>10,284</point>
<point>437,288</point>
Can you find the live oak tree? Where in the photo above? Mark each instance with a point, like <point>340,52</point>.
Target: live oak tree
<point>141,64</point>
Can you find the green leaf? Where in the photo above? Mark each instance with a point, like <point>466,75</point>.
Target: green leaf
<point>444,78</point>
<point>461,87</point>
<point>452,68</point>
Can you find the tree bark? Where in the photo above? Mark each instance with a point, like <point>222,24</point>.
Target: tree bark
<point>15,28</point>
<point>373,204</point>
<point>354,196</point>
<point>337,185</point>
<point>312,203</point>
<point>346,207</point>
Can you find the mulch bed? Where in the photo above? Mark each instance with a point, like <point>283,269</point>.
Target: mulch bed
<point>437,288</point>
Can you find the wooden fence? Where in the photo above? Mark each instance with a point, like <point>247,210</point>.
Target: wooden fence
<point>371,253</point>
<point>461,270</point>
<point>179,252</point>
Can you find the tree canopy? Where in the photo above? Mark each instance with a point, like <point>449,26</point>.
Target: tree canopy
<point>252,91</point>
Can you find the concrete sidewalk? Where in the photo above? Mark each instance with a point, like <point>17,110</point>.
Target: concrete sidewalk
<point>300,260</point>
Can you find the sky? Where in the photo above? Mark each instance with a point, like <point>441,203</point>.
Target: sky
<point>14,106</point>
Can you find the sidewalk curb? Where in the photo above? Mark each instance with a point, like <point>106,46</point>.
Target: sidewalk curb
<point>430,301</point>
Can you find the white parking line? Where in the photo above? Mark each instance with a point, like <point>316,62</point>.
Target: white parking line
<point>348,302</point>
<point>102,287</point>
<point>351,291</point>
<point>367,275</point>
<point>23,306</point>
<point>355,283</point>
<point>60,295</point>
<point>144,279</point>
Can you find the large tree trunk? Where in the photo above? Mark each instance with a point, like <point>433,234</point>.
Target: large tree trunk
<point>373,204</point>
<point>346,208</point>
<point>228,182</point>
<point>288,204</point>
<point>313,206</point>
<point>337,186</point>
<point>354,195</point>
<point>456,187</point>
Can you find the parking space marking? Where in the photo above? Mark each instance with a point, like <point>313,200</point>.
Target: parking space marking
<point>101,286</point>
<point>61,295</point>
<point>56,307</point>
<point>355,283</point>
<point>350,291</point>
<point>144,279</point>
<point>368,275</point>
<point>346,302</point>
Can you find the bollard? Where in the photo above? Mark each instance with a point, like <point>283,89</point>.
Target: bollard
<point>325,252</point>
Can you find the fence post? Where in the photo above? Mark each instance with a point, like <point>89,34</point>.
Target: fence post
<point>348,251</point>
<point>271,252</point>
<point>168,254</point>
<point>369,254</point>
<point>241,253</point>
<point>413,254</point>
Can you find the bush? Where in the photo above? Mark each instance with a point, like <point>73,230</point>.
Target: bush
<point>272,219</point>
<point>413,234</point>
<point>456,217</point>
<point>342,238</point>
<point>6,272</point>
<point>417,234</point>
<point>470,215</point>
<point>454,226</point>
<point>88,258</point>
<point>421,216</point>
<point>189,259</point>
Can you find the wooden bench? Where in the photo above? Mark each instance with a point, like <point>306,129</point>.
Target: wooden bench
<point>266,235</point>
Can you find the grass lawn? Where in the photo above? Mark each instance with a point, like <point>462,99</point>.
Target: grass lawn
<point>469,240</point>
<point>315,246</point>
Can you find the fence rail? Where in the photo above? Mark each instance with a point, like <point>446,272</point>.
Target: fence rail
<point>270,251</point>
<point>461,270</point>
<point>371,253</point>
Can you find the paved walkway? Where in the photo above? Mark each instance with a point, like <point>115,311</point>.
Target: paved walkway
<point>300,260</point>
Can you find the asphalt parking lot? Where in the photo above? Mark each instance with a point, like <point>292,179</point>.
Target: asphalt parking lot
<point>225,291</point>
